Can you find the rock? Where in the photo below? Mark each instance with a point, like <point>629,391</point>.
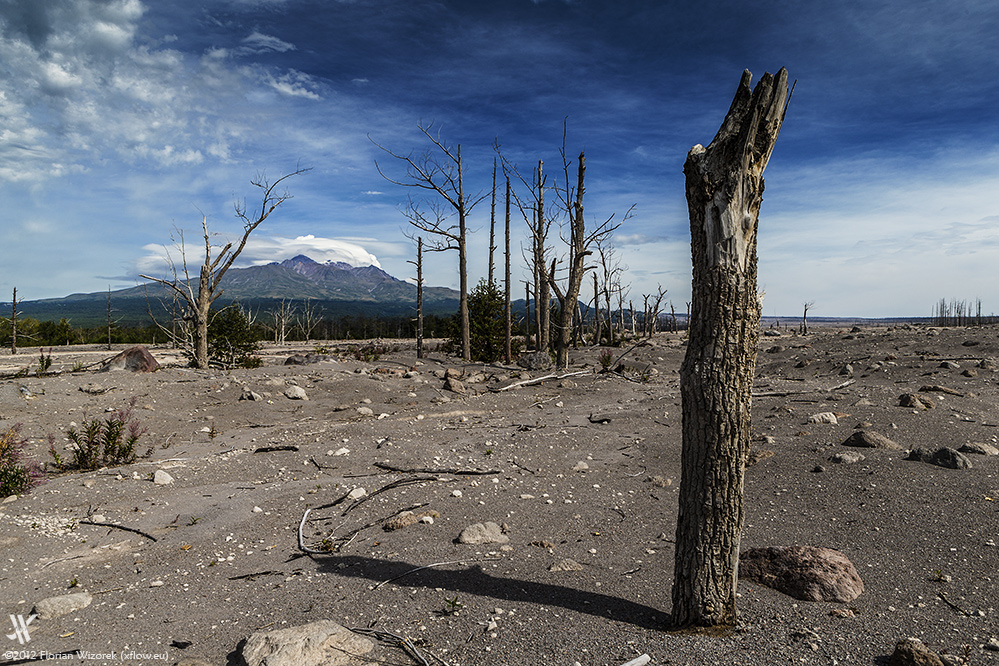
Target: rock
<point>357,493</point>
<point>161,478</point>
<point>407,518</point>
<point>324,642</point>
<point>566,565</point>
<point>535,361</point>
<point>295,393</point>
<point>304,359</point>
<point>912,652</point>
<point>915,401</point>
<point>580,466</point>
<point>483,533</point>
<point>970,372</point>
<point>950,365</point>
<point>776,349</point>
<point>65,604</point>
<point>870,440</point>
<point>476,378</point>
<point>453,385</point>
<point>771,333</point>
<point>846,370</point>
<point>247,394</point>
<point>993,645</point>
<point>979,448</point>
<point>133,359</point>
<point>847,458</point>
<point>94,389</point>
<point>365,411</point>
<point>808,573</point>
<point>988,364</point>
<point>942,457</point>
<point>823,417</point>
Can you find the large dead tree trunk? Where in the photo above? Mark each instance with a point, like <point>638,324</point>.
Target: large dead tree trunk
<point>508,336</point>
<point>724,185</point>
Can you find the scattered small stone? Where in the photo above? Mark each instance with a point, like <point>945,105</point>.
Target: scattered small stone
<point>324,642</point>
<point>295,393</point>
<point>912,652</point>
<point>659,481</point>
<point>979,448</point>
<point>162,478</point>
<point>257,509</point>
<point>94,389</point>
<point>950,365</point>
<point>915,401</point>
<point>247,394</point>
<point>156,583</point>
<point>407,518</point>
<point>970,372</point>
<point>581,466</point>
<point>993,645</point>
<point>365,411</point>
<point>847,458</point>
<point>65,604</point>
<point>566,564</point>
<point>871,440</point>
<point>942,457</point>
<point>453,385</point>
<point>98,518</point>
<point>542,543</point>
<point>455,493</point>
<point>988,364</point>
<point>357,493</point>
<point>818,469</point>
<point>480,533</point>
<point>823,417</point>
<point>846,370</point>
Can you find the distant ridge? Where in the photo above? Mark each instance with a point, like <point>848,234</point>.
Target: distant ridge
<point>337,288</point>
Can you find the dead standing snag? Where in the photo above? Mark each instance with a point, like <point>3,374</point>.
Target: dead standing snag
<point>724,185</point>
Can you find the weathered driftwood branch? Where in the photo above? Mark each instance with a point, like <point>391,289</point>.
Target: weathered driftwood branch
<point>118,527</point>
<point>457,471</point>
<point>782,394</point>
<point>538,380</point>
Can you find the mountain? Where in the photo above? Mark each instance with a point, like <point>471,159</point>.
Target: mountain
<point>336,288</point>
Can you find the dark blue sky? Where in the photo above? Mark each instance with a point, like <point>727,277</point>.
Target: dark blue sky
<point>120,119</point>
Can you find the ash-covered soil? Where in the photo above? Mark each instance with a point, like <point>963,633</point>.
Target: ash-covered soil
<point>583,468</point>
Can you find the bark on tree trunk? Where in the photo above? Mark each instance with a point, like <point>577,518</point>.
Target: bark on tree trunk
<point>508,338</point>
<point>13,324</point>
<point>419,297</point>
<point>724,185</point>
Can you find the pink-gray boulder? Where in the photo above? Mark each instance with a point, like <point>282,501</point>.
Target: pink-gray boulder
<point>133,359</point>
<point>808,573</point>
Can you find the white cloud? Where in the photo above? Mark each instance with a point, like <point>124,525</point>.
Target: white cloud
<point>259,250</point>
<point>261,43</point>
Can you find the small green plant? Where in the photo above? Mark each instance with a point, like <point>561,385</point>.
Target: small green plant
<point>44,361</point>
<point>321,349</point>
<point>452,606</point>
<point>193,521</point>
<point>74,583</point>
<point>102,442</point>
<point>16,476</point>
<point>78,366</point>
<point>606,357</point>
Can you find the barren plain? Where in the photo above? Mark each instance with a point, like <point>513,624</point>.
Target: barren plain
<point>580,471</point>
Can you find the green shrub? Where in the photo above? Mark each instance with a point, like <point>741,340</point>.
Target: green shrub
<point>486,324</point>
<point>16,476</point>
<point>369,353</point>
<point>103,442</point>
<point>230,340</point>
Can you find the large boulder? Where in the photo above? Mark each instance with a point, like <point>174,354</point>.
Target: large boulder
<point>540,360</point>
<point>324,642</point>
<point>942,457</point>
<point>133,359</point>
<point>912,652</point>
<point>808,573</point>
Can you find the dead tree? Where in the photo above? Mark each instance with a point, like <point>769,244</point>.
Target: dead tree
<point>804,316</point>
<point>440,170</point>
<point>579,241</point>
<point>13,324</point>
<point>724,184</point>
<point>508,337</point>
<point>492,225</point>
<point>309,318</point>
<point>419,296</point>
<point>199,299</point>
<point>282,315</point>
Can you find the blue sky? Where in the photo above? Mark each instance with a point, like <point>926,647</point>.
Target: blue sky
<point>123,119</point>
